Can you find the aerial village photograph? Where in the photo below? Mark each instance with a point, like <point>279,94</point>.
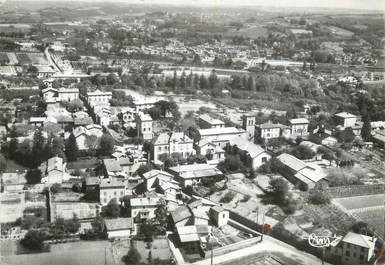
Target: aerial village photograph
<point>192,132</point>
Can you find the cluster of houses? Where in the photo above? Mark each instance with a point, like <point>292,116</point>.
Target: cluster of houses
<point>117,178</point>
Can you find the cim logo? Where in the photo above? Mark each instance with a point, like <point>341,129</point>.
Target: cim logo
<point>323,241</point>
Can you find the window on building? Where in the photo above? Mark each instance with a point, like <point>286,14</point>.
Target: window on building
<point>347,253</point>
<point>362,257</point>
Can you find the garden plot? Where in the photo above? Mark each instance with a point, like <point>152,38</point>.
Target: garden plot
<point>369,209</point>
<point>242,197</point>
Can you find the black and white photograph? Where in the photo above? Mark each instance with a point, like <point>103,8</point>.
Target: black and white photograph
<point>192,132</point>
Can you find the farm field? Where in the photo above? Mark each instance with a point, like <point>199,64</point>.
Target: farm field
<point>357,202</point>
<point>369,209</point>
<point>249,32</point>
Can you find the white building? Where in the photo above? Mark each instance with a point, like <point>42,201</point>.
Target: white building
<point>144,126</point>
<point>221,136</point>
<point>207,122</point>
<point>111,188</point>
<point>270,130</point>
<point>99,97</point>
<point>299,127</point>
<point>119,227</point>
<point>354,249</point>
<point>143,208</point>
<point>168,144</point>
<point>258,156</point>
<point>346,119</point>
<point>67,94</point>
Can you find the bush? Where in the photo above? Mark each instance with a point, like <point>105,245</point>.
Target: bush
<point>290,207</point>
<point>55,188</point>
<point>113,209</point>
<point>343,177</point>
<point>34,240</point>
<point>132,257</point>
<point>278,189</point>
<point>229,196</point>
<point>318,197</point>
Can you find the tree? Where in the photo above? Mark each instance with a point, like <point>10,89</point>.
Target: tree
<point>361,228</point>
<point>33,176</point>
<point>112,79</point>
<point>147,230</point>
<point>113,208</point>
<point>318,197</point>
<point>3,163</point>
<point>143,169</point>
<point>203,82</point>
<point>327,154</point>
<point>213,79</point>
<point>106,145</point>
<point>133,257</point>
<point>71,148</point>
<point>366,129</point>
<point>250,84</point>
<point>346,136</point>
<point>304,66</point>
<point>38,147</point>
<point>161,216</point>
<point>278,189</point>
<point>92,142</point>
<point>291,114</point>
<point>303,152</point>
<point>34,240</point>
<point>58,147</point>
<point>75,105</point>
<point>198,159</point>
<point>13,147</point>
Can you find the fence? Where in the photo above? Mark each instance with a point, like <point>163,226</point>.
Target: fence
<point>244,221</point>
<point>356,190</point>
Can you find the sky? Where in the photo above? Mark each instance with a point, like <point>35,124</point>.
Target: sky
<point>349,4</point>
<point>353,4</point>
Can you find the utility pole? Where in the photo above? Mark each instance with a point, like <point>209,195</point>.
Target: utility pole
<point>105,255</point>
<point>263,225</point>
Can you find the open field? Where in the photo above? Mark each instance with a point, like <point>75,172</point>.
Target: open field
<point>75,253</point>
